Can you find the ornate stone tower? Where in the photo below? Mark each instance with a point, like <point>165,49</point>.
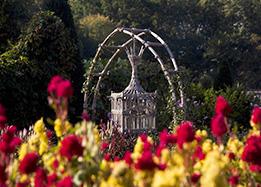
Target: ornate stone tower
<point>134,109</point>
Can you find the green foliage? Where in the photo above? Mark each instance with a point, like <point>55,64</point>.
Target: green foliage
<point>201,104</point>
<point>45,49</point>
<point>201,33</point>
<point>13,16</point>
<point>62,10</point>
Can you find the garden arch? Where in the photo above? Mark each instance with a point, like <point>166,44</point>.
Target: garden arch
<point>133,35</point>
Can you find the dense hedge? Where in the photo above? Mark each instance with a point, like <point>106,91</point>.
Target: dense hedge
<point>45,49</point>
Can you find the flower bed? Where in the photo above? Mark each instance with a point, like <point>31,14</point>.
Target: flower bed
<point>184,157</point>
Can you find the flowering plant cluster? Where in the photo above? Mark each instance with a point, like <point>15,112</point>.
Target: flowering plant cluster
<point>184,157</point>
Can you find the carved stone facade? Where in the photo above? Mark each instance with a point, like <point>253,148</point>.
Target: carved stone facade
<point>134,109</point>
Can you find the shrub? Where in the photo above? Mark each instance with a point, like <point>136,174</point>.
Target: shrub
<point>43,50</point>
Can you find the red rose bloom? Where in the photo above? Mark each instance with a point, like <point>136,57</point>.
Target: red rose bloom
<point>29,163</point>
<point>185,133</point>
<point>64,89</point>
<point>222,106</point>
<point>218,125</point>
<point>107,157</point>
<point>252,150</point>
<point>195,177</point>
<point>145,162</point>
<point>52,86</point>
<point>256,115</point>
<point>65,182</point>
<point>104,146</point>
<point>71,146</point>
<point>40,178</point>
<point>233,180</point>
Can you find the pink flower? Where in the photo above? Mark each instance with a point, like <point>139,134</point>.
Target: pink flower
<point>40,178</point>
<point>252,150</point>
<point>52,86</point>
<point>64,89</point>
<point>185,133</point>
<point>256,115</point>
<point>195,177</point>
<point>218,125</point>
<point>71,146</point>
<point>65,182</point>
<point>29,163</point>
<point>222,106</point>
<point>233,180</point>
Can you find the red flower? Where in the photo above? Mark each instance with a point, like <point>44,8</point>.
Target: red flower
<point>222,106</point>
<point>185,133</point>
<point>127,158</point>
<point>52,179</point>
<point>107,157</point>
<point>256,115</point>
<point>233,180</point>
<point>64,89</point>
<point>199,153</point>
<point>55,164</point>
<point>29,163</point>
<point>71,146</point>
<point>145,162</point>
<point>218,125</point>
<point>231,156</point>
<point>255,168</point>
<point>23,184</point>
<point>166,138</point>
<point>104,146</point>
<point>252,150</point>
<point>65,182</point>
<point>3,176</point>
<point>52,86</point>
<point>9,143</point>
<point>195,177</point>
<point>40,178</point>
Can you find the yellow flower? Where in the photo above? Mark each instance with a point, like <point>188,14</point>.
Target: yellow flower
<point>23,151</point>
<point>212,170</point>
<point>58,127</point>
<point>39,126</point>
<point>207,146</point>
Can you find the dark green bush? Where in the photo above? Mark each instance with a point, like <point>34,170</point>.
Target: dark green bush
<point>45,49</point>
